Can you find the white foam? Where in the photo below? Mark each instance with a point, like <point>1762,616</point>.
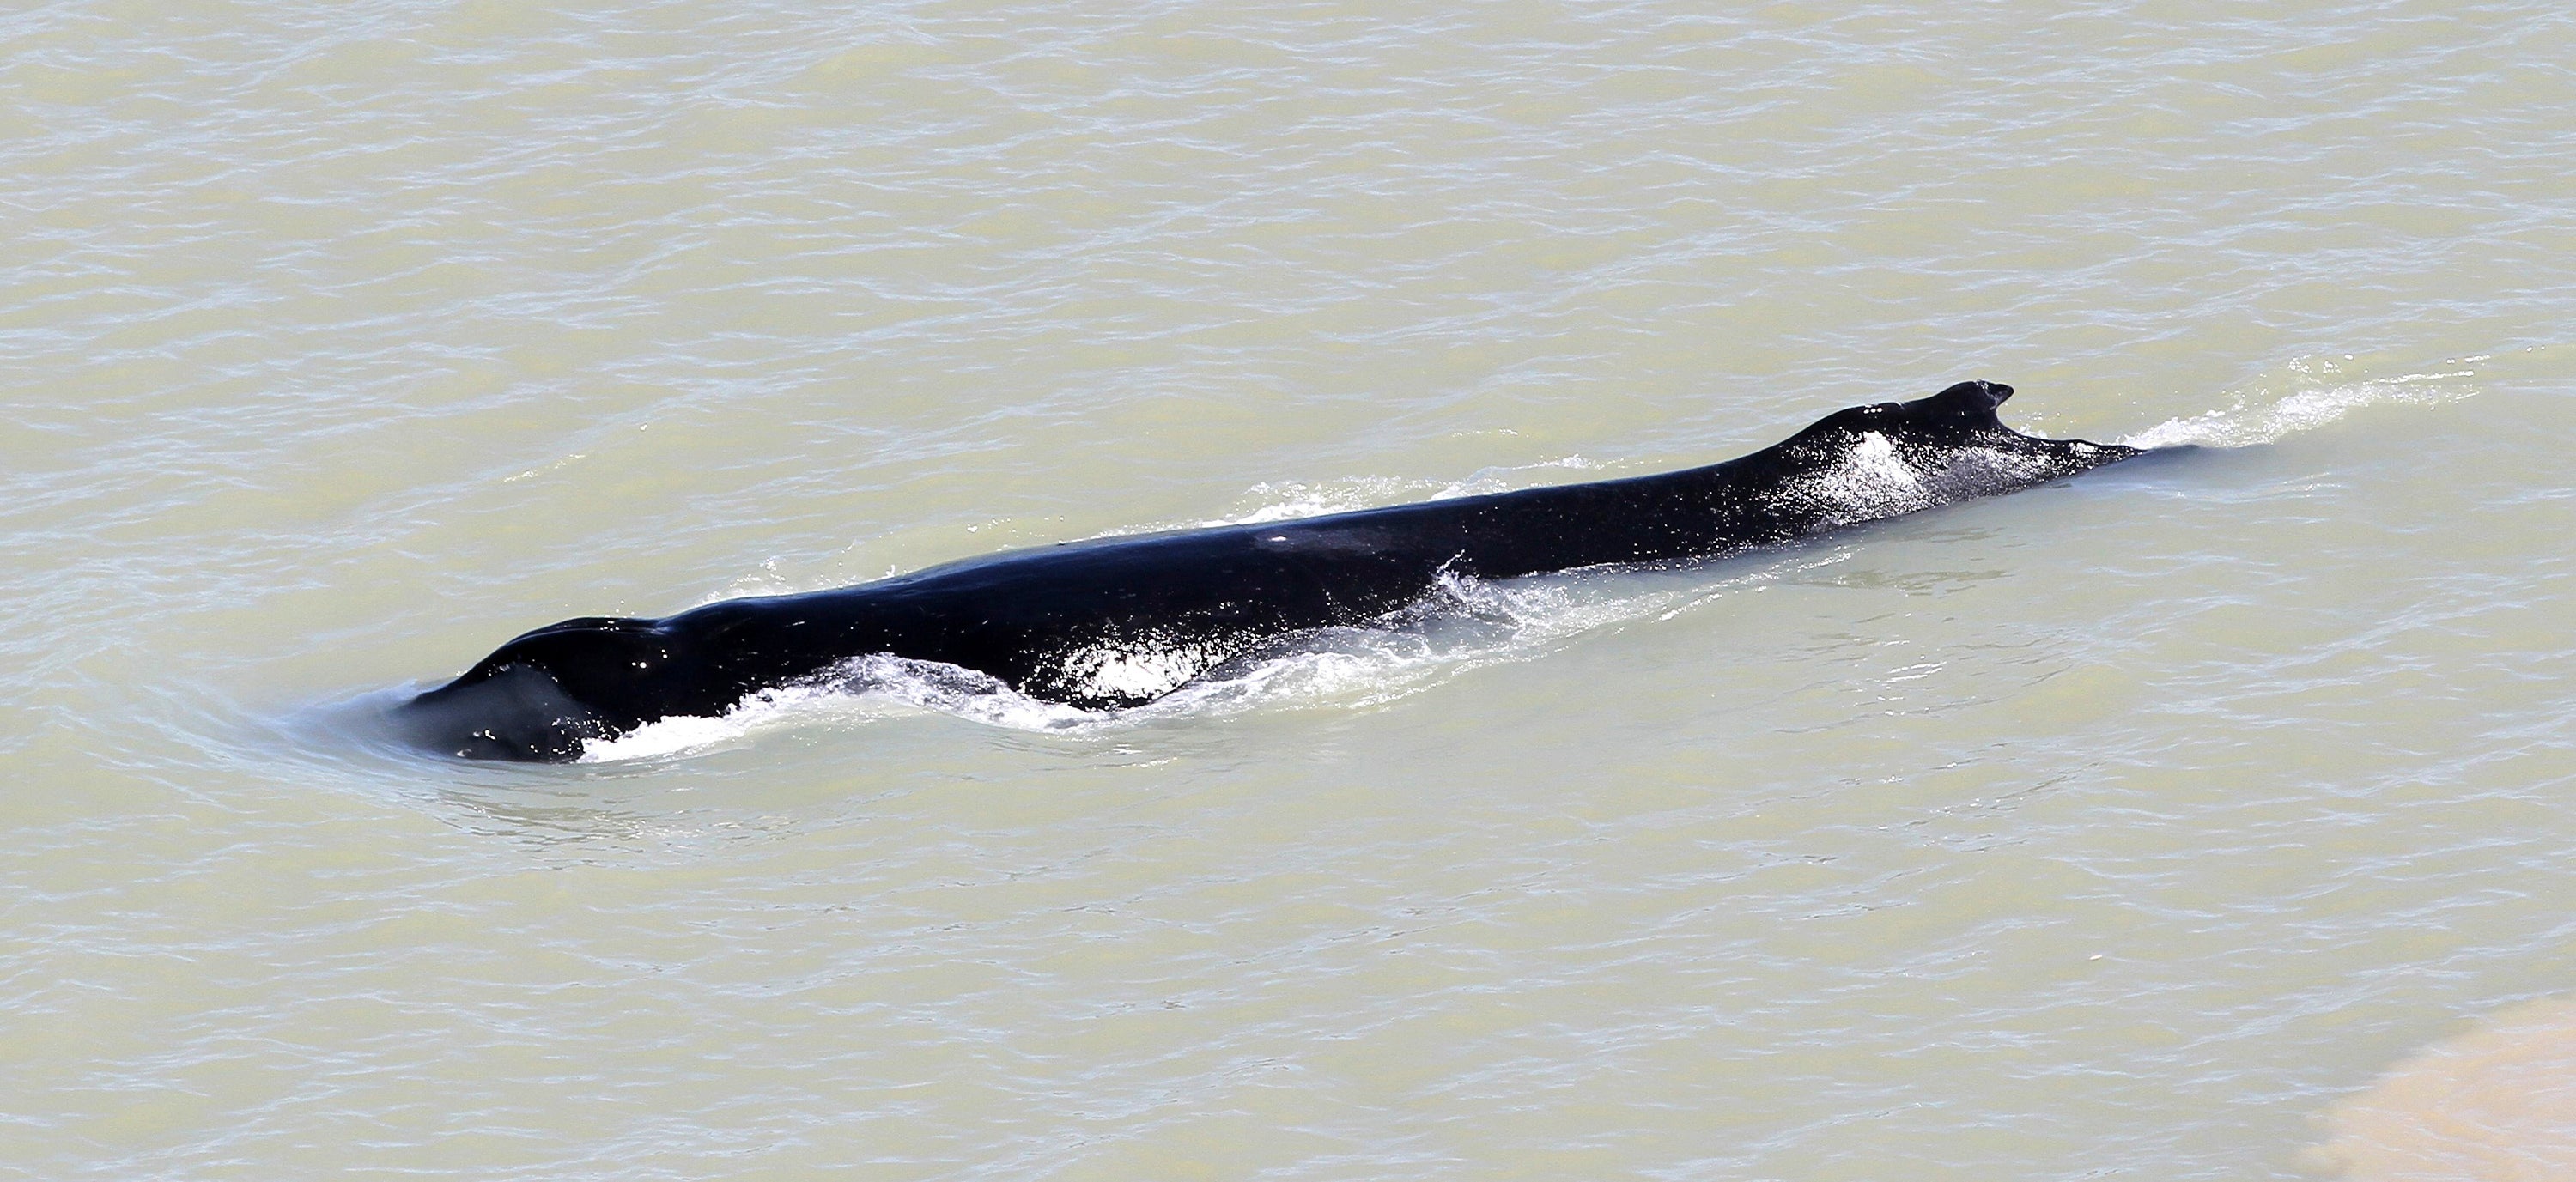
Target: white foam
<point>671,736</point>
<point>1867,482</point>
<point>2313,400</point>
<point>860,691</point>
<point>1289,500</point>
<point>1973,472</point>
<point>1143,670</point>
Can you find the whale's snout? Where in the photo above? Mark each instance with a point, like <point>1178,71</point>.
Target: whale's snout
<point>546,693</point>
<point>517,714</point>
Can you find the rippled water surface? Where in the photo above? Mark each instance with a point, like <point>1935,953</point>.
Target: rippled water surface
<point>2130,827</point>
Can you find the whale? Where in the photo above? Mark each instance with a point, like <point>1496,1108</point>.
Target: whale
<point>1115,622</point>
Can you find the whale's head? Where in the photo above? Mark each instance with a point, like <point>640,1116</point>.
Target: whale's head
<point>543,695</point>
<point>1896,457</point>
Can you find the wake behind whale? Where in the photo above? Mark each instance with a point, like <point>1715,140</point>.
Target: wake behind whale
<point>1123,621</point>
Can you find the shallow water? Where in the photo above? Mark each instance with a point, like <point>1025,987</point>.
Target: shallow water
<point>2127,827</point>
<point>2493,1103</point>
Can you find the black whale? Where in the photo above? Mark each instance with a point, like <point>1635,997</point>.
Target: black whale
<point>1120,621</point>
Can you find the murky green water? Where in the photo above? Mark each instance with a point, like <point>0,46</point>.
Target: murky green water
<point>2118,829</point>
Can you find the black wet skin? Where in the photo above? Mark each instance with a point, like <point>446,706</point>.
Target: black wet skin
<point>1040,620</point>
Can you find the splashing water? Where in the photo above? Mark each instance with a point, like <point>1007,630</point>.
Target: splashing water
<point>1288,500</point>
<point>1870,482</point>
<point>2314,400</point>
<point>1873,480</point>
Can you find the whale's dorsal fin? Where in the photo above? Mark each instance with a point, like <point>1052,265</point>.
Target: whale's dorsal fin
<point>1967,402</point>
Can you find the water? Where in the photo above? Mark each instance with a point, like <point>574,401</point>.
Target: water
<point>2493,1103</point>
<point>2131,827</point>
